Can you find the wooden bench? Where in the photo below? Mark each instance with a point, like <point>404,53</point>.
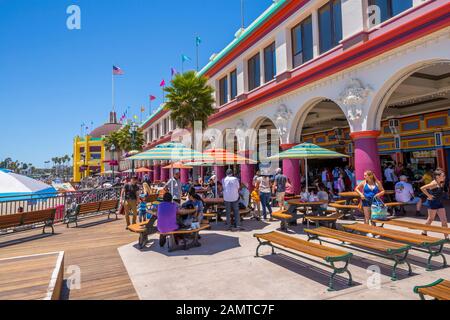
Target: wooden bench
<point>394,205</point>
<point>430,245</point>
<point>395,251</point>
<point>413,225</point>
<point>439,290</point>
<point>330,255</point>
<point>184,235</point>
<point>283,217</point>
<point>330,220</point>
<point>92,209</point>
<point>144,229</point>
<point>13,221</point>
<point>346,209</point>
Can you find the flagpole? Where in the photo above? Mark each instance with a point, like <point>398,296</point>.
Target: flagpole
<point>113,96</point>
<point>197,45</point>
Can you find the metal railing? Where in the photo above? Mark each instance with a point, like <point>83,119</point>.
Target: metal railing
<point>63,201</point>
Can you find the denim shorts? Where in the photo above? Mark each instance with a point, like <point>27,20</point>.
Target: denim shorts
<point>434,204</point>
<point>367,203</point>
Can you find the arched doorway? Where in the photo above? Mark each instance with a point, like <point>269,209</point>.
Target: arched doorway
<point>324,123</point>
<point>414,122</point>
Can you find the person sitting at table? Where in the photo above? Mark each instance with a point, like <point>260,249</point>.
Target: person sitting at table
<point>167,217</point>
<point>244,196</point>
<point>196,202</point>
<point>404,193</point>
<point>290,192</point>
<point>322,195</point>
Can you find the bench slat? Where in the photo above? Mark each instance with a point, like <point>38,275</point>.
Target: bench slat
<point>439,290</point>
<point>11,220</point>
<point>109,205</point>
<point>416,239</point>
<point>359,240</point>
<point>415,226</point>
<point>203,227</point>
<point>39,216</point>
<point>310,248</point>
<point>86,208</point>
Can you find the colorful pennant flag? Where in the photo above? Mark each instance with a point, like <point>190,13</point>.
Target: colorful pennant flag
<point>198,41</point>
<point>163,83</point>
<point>185,58</point>
<point>117,71</point>
<point>173,71</point>
<point>152,98</point>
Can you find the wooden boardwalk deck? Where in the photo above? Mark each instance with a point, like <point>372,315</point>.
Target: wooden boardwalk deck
<point>92,247</point>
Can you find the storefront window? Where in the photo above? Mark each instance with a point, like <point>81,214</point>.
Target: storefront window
<point>302,42</point>
<point>254,72</point>
<point>223,90</point>
<point>391,8</point>
<point>270,65</point>
<point>330,25</point>
<point>233,83</point>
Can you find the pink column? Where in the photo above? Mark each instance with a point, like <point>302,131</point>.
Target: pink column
<point>220,172</point>
<point>164,173</point>
<point>291,169</point>
<point>156,172</point>
<point>247,171</point>
<point>184,176</point>
<point>366,154</point>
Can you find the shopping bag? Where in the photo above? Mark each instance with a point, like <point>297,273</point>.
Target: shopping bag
<point>379,210</point>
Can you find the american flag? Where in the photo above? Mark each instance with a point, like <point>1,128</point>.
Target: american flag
<point>117,71</point>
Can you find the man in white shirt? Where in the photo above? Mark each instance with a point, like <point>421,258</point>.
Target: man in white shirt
<point>174,186</point>
<point>231,198</point>
<point>390,177</point>
<point>404,193</point>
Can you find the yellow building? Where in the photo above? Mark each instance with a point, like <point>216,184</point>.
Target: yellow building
<point>89,152</point>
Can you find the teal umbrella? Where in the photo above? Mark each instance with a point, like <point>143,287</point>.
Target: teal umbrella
<point>308,151</point>
<point>172,152</point>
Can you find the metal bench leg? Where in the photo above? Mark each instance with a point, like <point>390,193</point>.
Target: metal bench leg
<point>312,237</point>
<point>435,254</point>
<point>400,260</point>
<point>265,243</point>
<point>337,271</point>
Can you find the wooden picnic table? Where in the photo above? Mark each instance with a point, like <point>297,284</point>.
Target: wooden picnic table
<point>213,201</point>
<point>354,194</point>
<point>181,212</point>
<point>299,203</point>
<point>349,196</point>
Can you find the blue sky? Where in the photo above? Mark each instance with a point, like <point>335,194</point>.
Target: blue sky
<point>54,79</point>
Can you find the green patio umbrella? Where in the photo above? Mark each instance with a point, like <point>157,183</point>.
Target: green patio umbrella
<point>172,152</point>
<point>308,151</point>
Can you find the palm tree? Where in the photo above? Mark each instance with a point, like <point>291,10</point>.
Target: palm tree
<point>190,99</point>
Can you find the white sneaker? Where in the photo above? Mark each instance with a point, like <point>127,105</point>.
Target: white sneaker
<point>369,235</point>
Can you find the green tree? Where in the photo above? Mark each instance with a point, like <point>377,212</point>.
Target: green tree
<point>129,140</point>
<point>190,99</point>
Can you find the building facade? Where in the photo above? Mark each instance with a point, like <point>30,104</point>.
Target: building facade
<point>89,153</point>
<point>370,78</point>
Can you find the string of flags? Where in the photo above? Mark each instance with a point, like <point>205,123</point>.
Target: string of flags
<point>117,71</point>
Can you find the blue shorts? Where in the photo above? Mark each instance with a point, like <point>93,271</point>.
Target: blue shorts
<point>367,203</point>
<point>434,204</point>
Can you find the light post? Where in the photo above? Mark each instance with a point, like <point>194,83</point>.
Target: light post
<point>83,156</point>
<point>134,129</point>
<point>113,148</point>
